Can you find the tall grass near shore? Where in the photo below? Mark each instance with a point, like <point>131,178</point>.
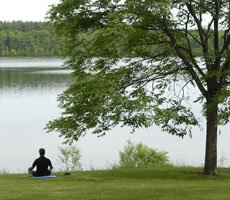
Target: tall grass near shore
<point>160,183</point>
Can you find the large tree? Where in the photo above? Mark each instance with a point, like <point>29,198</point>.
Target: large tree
<point>132,60</point>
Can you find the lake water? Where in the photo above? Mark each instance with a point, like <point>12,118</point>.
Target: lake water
<point>29,89</point>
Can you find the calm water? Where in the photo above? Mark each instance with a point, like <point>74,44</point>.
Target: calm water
<point>29,88</point>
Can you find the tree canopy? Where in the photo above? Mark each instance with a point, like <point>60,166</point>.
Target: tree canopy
<point>132,60</point>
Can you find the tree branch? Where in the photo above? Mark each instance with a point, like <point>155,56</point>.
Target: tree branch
<point>226,66</point>
<point>184,59</point>
<point>149,28</point>
<point>198,22</point>
<point>225,46</point>
<point>216,35</point>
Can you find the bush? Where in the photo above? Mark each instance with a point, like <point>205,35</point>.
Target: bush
<point>140,155</point>
<point>70,158</point>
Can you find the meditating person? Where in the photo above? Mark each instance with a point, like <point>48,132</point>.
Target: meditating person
<point>43,165</point>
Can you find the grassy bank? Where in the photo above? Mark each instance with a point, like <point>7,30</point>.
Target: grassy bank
<point>128,184</point>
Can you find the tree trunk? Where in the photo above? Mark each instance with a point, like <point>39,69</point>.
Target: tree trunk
<point>211,141</point>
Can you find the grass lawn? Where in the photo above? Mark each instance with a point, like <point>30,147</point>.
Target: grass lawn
<point>127,184</point>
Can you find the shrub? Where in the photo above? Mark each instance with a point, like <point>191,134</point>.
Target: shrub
<point>70,158</point>
<point>140,155</point>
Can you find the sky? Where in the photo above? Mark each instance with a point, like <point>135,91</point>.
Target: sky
<point>24,10</point>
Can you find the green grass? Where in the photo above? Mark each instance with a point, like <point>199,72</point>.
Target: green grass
<point>128,184</point>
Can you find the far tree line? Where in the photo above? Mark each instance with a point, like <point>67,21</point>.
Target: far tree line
<point>37,39</point>
<point>28,39</point>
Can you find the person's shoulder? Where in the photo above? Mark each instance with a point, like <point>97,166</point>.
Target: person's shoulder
<point>36,160</point>
<point>48,159</point>
<point>45,158</point>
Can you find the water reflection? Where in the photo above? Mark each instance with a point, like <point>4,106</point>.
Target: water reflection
<point>33,76</point>
<point>19,78</point>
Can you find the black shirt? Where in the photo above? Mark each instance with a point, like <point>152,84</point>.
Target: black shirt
<point>42,164</point>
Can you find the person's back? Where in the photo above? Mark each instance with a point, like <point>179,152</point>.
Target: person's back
<point>43,164</point>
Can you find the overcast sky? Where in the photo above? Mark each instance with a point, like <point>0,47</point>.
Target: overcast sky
<point>24,10</point>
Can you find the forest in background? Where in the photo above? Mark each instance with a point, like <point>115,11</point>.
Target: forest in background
<point>28,39</point>
<point>37,39</point>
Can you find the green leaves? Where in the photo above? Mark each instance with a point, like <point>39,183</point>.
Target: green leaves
<point>175,120</point>
<point>112,95</point>
<point>96,102</point>
<point>139,155</point>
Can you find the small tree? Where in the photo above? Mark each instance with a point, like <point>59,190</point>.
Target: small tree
<point>140,155</point>
<point>70,158</point>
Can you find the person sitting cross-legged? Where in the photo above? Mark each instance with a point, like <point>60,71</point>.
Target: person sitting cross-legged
<point>43,165</point>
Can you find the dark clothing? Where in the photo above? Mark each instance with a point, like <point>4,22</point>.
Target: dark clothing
<point>42,164</point>
<point>36,175</point>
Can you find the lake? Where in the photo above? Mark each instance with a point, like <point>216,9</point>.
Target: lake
<point>29,89</point>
